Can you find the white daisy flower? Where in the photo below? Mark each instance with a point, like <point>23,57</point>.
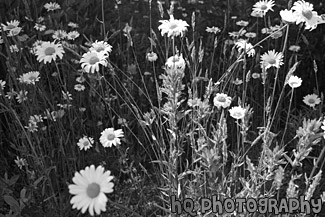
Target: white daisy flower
<point>176,62</point>
<point>73,25</point>
<point>79,87</point>
<point>49,51</point>
<point>66,95</point>
<point>311,100</point>
<point>21,162</point>
<point>222,100</point>
<point>242,44</point>
<point>237,81</point>
<point>89,188</point>
<point>73,35</point>
<point>10,25</point>
<point>271,59</point>
<point>294,48</point>
<point>52,6</point>
<point>250,34</point>
<point>85,143</point>
<point>101,46</point>
<point>59,34</point>
<point>304,13</point>
<point>288,16</point>
<point>111,137</point>
<point>173,27</point>
<point>152,56</point>
<point>294,81</point>
<point>263,6</point>
<point>237,112</point>
<point>213,30</point>
<point>22,96</point>
<point>91,60</point>
<point>242,23</point>
<point>80,79</point>
<point>256,75</point>
<point>39,27</point>
<point>29,78</point>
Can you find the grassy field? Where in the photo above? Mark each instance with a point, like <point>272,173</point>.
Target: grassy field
<point>148,108</point>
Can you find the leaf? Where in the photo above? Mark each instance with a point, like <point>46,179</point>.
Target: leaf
<point>152,42</point>
<point>14,205</point>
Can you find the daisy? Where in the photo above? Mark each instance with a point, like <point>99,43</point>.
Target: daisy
<point>111,137</point>
<point>22,96</point>
<point>79,87</point>
<point>29,78</point>
<point>304,13</point>
<point>222,100</point>
<point>73,25</point>
<point>237,81</point>
<point>288,16</point>
<point>89,188</point>
<point>80,79</point>
<point>39,27</point>
<point>311,100</point>
<point>237,112</point>
<point>152,56</point>
<point>10,25</point>
<point>294,48</point>
<point>66,95</point>
<point>176,62</point>
<point>173,27</point>
<point>90,61</point>
<point>271,59</point>
<point>294,81</point>
<point>52,6</point>
<point>85,143</point>
<point>242,23</point>
<point>213,29</point>
<point>101,46</point>
<point>49,51</point>
<point>59,34</point>
<point>73,35</point>
<point>256,75</point>
<point>250,34</point>
<point>263,6</point>
<point>20,162</point>
<point>242,44</point>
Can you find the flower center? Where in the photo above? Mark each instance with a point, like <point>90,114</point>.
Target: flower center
<point>11,26</point>
<point>311,101</point>
<point>49,51</point>
<point>111,136</point>
<point>263,7</point>
<point>173,26</point>
<point>98,49</point>
<point>272,61</point>
<point>86,143</point>
<point>308,14</point>
<point>32,78</point>
<point>93,190</point>
<point>93,60</point>
<point>238,114</point>
<point>222,99</point>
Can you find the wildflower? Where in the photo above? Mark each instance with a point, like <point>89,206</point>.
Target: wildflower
<point>73,25</point>
<point>101,46</point>
<point>32,127</point>
<point>21,96</point>
<point>82,109</point>
<point>79,87</point>
<point>73,35</point>
<point>213,30</point>
<point>152,56</point>
<point>85,143</point>
<point>287,16</point>
<point>176,62</point>
<point>20,162</point>
<point>13,48</point>
<point>52,6</point>
<point>49,51</point>
<point>10,25</point>
<point>242,23</point>
<point>237,34</point>
<point>233,17</point>
<point>256,75</point>
<point>271,59</point>
<point>263,6</point>
<point>294,81</point>
<point>242,44</point>
<point>250,34</point>
<point>29,78</point>
<point>10,94</point>
<point>237,112</point>
<point>311,100</point>
<point>294,48</point>
<point>237,81</point>
<point>89,188</point>
<point>111,137</point>
<point>66,95</point>
<point>304,13</point>
<point>39,27</point>
<point>222,100</point>
<point>59,34</point>
<point>90,61</point>
<point>80,79</point>
<point>173,27</point>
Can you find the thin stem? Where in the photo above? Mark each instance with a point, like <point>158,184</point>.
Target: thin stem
<point>286,124</point>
